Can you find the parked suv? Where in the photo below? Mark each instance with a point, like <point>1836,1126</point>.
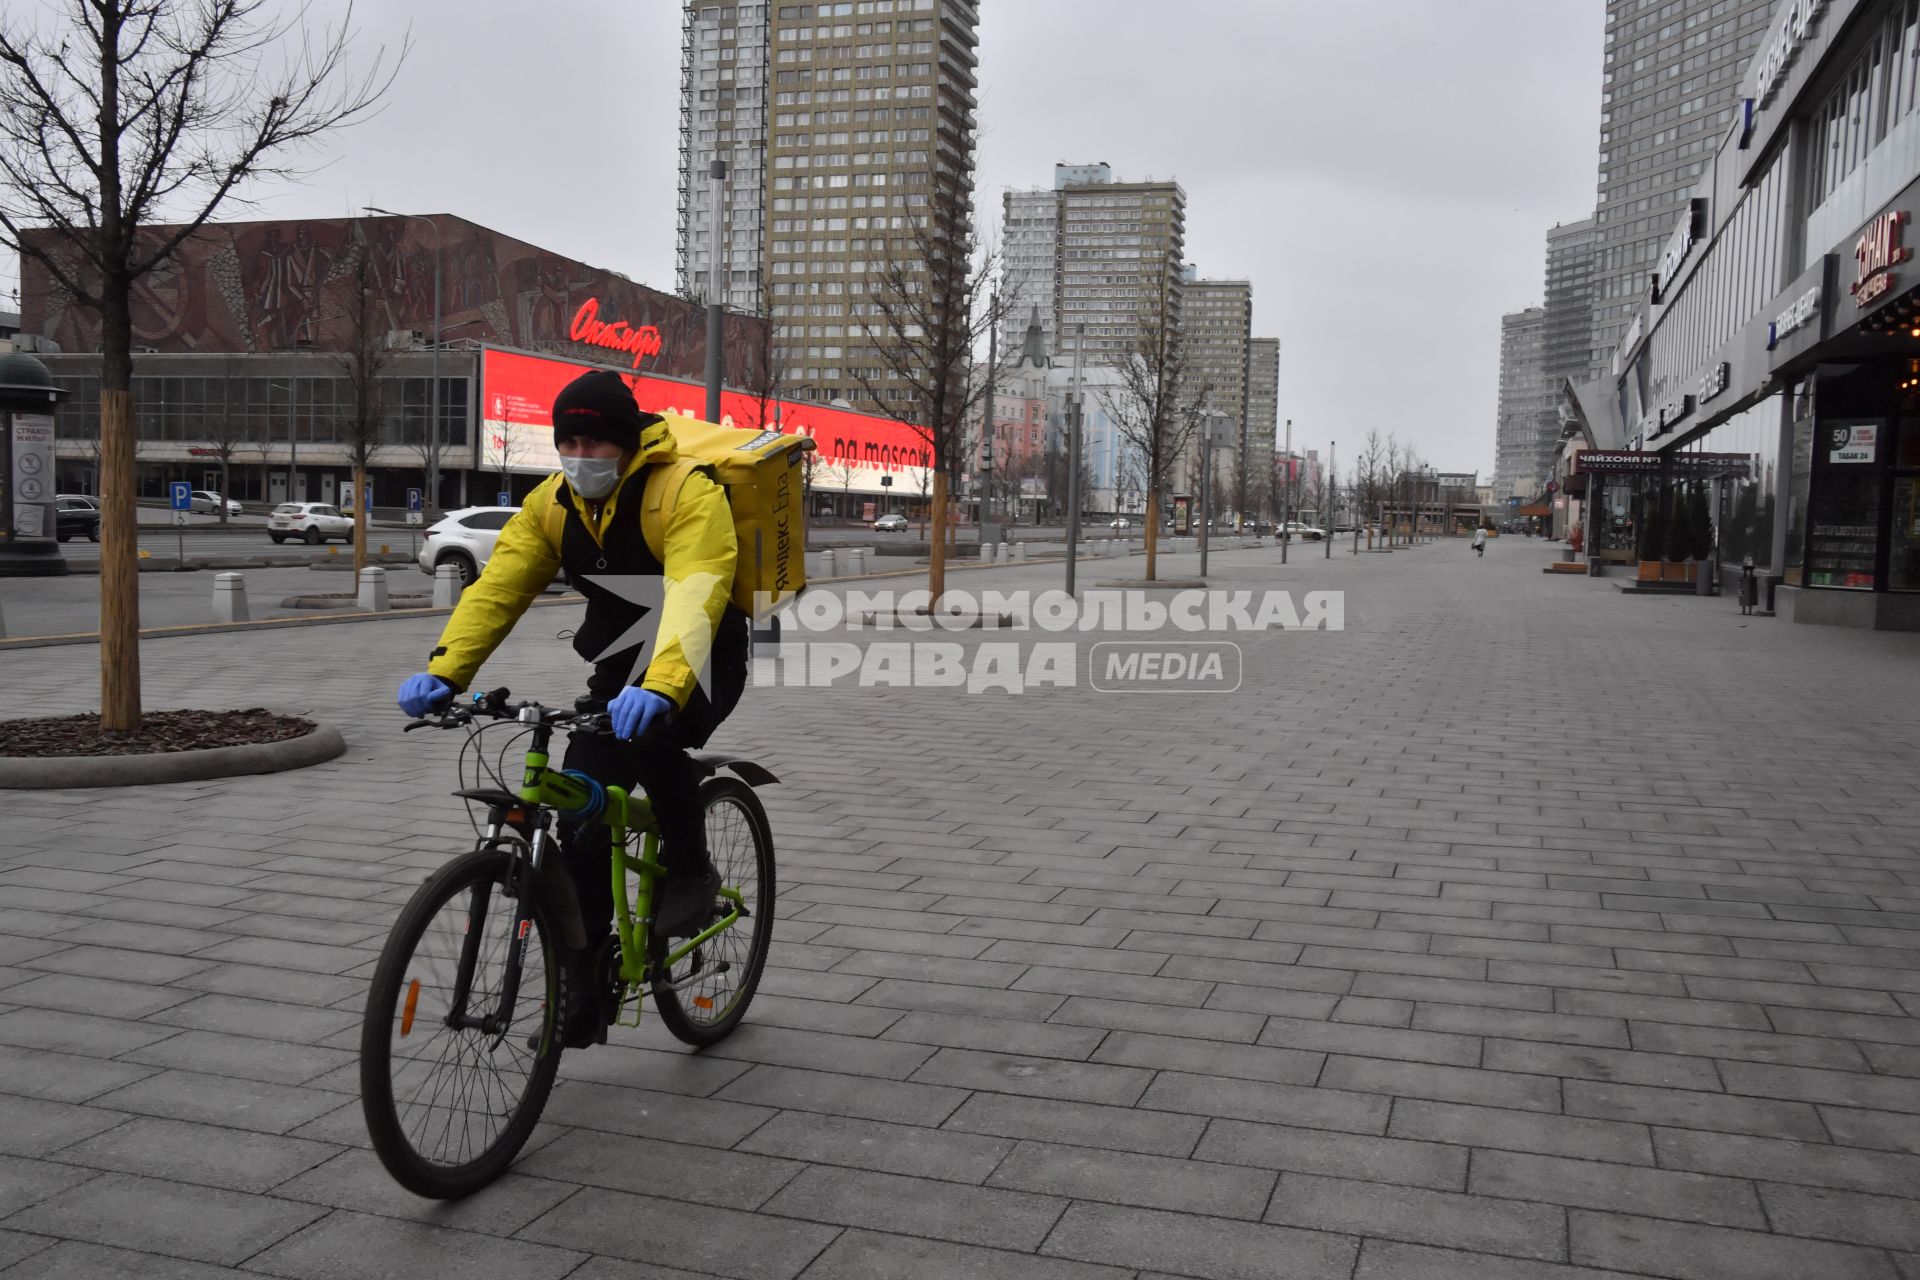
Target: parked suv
<point>311,522</point>
<point>464,539</point>
<point>75,516</point>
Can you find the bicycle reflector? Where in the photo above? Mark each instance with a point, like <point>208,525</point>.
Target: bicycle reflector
<point>413,1002</point>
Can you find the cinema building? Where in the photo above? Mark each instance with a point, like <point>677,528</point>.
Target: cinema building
<point>1773,374</point>
<point>243,363</point>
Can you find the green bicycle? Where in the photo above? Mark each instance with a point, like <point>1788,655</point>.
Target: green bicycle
<point>461,1039</point>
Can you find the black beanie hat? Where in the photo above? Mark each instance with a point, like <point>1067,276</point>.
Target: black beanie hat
<point>598,404</point>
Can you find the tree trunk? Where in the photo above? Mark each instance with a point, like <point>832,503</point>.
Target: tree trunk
<point>937,548</point>
<point>1153,529</point>
<point>119,527</point>
<point>359,522</point>
<point>226,489</point>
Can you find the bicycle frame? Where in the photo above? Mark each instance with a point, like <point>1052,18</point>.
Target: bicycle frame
<point>549,790</point>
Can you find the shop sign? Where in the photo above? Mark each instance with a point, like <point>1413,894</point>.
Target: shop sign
<point>1670,413</point>
<point>618,335</point>
<point>1616,462</point>
<point>1785,44</point>
<point>1852,444</point>
<point>1715,381</point>
<point>1804,310</point>
<point>1693,225</point>
<point>1878,252</point>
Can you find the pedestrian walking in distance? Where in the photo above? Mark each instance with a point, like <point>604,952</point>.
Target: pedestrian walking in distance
<point>1480,543</point>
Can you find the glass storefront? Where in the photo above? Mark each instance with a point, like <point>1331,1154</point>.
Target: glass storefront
<point>267,410</point>
<point>1738,462</point>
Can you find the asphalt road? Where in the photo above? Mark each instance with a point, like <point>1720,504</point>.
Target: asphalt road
<point>64,606</point>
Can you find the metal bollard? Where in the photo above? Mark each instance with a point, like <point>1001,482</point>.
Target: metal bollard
<point>230,597</point>
<point>373,589</point>
<point>446,586</point>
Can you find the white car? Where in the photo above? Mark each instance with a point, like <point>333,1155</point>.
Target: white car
<point>311,522</point>
<point>207,502</point>
<point>1121,523</point>
<point>1305,531</point>
<point>464,539</point>
<point>890,524</point>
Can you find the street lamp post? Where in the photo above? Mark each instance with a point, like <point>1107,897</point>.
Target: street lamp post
<point>1286,505</point>
<point>433,397</point>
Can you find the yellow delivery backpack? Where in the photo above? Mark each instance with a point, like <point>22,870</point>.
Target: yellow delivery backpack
<point>761,472</point>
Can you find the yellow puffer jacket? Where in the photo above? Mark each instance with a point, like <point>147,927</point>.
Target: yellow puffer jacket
<point>698,558</point>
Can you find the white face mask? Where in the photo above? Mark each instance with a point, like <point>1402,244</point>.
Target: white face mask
<point>591,477</point>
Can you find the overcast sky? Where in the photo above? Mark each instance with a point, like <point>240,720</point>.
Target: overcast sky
<point>1383,171</point>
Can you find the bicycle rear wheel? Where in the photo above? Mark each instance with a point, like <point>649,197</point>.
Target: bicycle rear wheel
<point>449,1106</point>
<point>716,982</point>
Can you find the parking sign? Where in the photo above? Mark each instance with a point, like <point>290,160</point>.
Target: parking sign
<point>413,500</point>
<point>180,495</point>
<point>503,499</point>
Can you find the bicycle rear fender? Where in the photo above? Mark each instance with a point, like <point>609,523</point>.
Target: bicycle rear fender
<point>750,773</point>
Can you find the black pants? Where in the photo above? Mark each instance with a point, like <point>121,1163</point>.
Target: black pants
<point>659,763</point>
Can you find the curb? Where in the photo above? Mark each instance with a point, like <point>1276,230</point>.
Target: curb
<point>62,772</point>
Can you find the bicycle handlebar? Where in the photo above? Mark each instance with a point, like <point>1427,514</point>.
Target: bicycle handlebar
<point>498,704</point>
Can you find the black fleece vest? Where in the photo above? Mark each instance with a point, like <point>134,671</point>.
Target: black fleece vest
<point>623,553</point>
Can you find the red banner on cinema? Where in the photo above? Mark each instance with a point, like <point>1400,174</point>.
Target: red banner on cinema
<point>517,392</point>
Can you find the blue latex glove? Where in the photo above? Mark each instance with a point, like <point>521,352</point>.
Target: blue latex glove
<point>635,710</point>
<point>423,693</point>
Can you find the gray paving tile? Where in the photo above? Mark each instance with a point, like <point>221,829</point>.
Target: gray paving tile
<point>1441,1083</point>
<point>1192,1245</point>
<point>1313,1108</point>
<point>273,1061</point>
<point>208,1155</point>
<point>227,1100</point>
<point>1851,1217</point>
<point>884,1148</point>
<point>26,1182</point>
<point>730,1179</point>
<point>198,1223</point>
<point>1420,1216</point>
<point>1079,1124</point>
<point>1153,1182</point>
<point>942,1210</point>
<point>1391,1260</point>
<point>1034,1077</point>
<point>646,1113</point>
<point>868,1255</point>
<point>62,1077</point>
<point>1582,1138</point>
<point>722,1242</point>
<point>35,1127</point>
<point>898,1101</point>
<point>1622,1066</point>
<point>73,1260</point>
<point>1691,1251</point>
<point>1340,1155</point>
<point>348,1246</point>
<point>355,1180</point>
<point>1210,1057</point>
<point>1589,1184</point>
<point>1006,1035</point>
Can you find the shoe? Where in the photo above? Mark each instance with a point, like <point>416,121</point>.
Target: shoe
<point>584,1015</point>
<point>686,901</point>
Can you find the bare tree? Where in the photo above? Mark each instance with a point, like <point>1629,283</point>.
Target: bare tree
<point>934,306</point>
<point>1153,405</point>
<point>114,115</point>
<point>844,470</point>
<point>1369,477</point>
<point>363,368</point>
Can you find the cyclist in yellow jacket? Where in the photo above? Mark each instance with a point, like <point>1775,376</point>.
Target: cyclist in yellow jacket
<point>658,707</point>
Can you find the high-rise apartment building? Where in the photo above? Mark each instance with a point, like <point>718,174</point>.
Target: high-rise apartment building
<point>1216,318</point>
<point>723,116</point>
<point>1029,222</point>
<point>1263,421</point>
<point>1525,407</point>
<point>869,133</point>
<point>1668,94</point>
<point>1119,250</point>
<point>1568,343</point>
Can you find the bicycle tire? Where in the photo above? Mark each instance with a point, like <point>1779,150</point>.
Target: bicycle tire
<point>401,968</point>
<point>733,813</point>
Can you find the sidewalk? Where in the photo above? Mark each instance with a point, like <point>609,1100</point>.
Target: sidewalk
<point>1517,930</point>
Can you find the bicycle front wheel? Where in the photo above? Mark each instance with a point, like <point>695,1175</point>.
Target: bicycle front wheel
<point>450,1102</point>
<point>702,999</point>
